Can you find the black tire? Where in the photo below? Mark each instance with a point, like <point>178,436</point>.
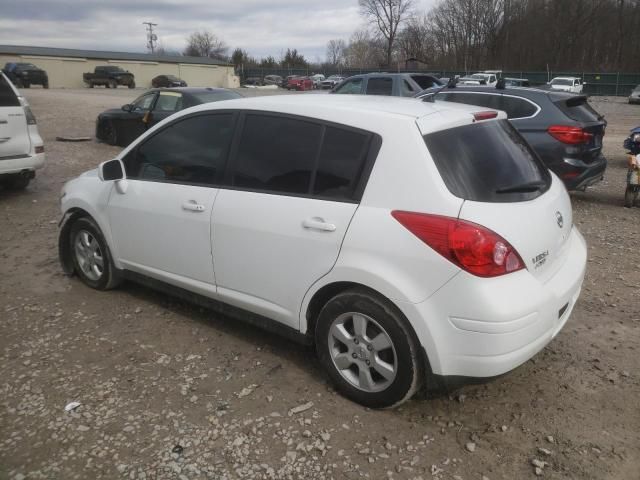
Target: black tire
<point>18,182</point>
<point>90,85</point>
<point>629,197</point>
<point>132,85</point>
<point>18,83</point>
<point>110,133</point>
<point>109,277</point>
<point>45,85</point>
<point>27,85</point>
<point>113,83</point>
<point>403,353</point>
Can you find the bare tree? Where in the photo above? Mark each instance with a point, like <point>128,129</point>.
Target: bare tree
<point>386,16</point>
<point>206,44</point>
<point>336,51</point>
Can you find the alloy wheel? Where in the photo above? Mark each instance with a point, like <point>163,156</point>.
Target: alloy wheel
<point>89,255</point>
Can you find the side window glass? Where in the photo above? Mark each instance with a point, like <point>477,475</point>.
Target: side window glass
<point>193,151</point>
<point>407,89</point>
<point>342,159</point>
<point>517,108</point>
<point>276,154</point>
<point>380,86</point>
<point>477,99</point>
<point>143,103</point>
<point>351,86</point>
<point>168,102</point>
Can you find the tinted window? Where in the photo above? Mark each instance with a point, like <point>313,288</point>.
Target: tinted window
<point>380,86</point>
<point>517,107</point>
<point>487,162</point>
<point>425,81</point>
<point>477,99</point>
<point>214,96</point>
<point>578,109</point>
<point>407,89</point>
<point>7,97</point>
<point>276,154</point>
<point>351,86</point>
<point>192,151</point>
<point>342,159</point>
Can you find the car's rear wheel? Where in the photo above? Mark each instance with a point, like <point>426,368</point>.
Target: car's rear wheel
<point>45,85</point>
<point>18,181</point>
<point>91,256</point>
<point>368,349</point>
<point>132,85</point>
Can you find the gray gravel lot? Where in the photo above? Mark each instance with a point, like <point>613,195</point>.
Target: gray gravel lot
<point>171,391</point>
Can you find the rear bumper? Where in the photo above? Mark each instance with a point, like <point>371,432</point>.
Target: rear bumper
<point>584,174</point>
<point>16,165</point>
<point>479,327</point>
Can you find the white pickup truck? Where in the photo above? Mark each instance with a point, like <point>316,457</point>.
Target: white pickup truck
<point>567,84</point>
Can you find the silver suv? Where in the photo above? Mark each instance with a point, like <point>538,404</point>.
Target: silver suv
<point>21,147</point>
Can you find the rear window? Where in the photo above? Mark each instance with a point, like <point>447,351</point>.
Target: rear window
<point>206,97</point>
<point>488,162</point>
<point>578,109</point>
<point>425,81</point>
<point>7,96</point>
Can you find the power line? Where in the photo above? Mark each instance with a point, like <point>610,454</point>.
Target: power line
<point>151,37</point>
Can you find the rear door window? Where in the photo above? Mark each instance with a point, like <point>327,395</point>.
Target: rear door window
<point>488,162</point>
<point>276,154</point>
<point>380,86</point>
<point>7,96</point>
<point>517,107</point>
<point>341,163</point>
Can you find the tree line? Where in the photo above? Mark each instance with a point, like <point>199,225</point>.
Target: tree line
<point>467,35</point>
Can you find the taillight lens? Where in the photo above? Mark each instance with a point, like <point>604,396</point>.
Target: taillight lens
<point>570,135</point>
<point>472,247</point>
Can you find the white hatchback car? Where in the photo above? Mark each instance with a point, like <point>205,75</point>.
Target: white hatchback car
<point>409,241</point>
<point>21,147</point>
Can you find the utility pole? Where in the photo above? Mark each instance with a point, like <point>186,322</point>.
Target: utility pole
<point>151,37</point>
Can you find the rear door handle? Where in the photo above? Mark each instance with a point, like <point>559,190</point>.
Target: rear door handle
<point>193,206</point>
<point>317,223</point>
<point>5,139</point>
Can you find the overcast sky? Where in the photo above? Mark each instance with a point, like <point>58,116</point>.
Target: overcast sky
<point>262,27</point>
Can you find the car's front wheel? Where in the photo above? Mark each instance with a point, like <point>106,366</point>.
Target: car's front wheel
<point>90,254</point>
<point>368,349</point>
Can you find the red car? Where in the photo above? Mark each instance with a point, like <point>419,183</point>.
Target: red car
<point>300,83</point>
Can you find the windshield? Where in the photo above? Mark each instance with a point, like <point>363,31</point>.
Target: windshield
<point>26,66</point>
<point>488,162</point>
<point>561,81</point>
<point>478,76</point>
<point>206,97</point>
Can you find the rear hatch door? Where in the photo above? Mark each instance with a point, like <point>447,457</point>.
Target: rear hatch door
<point>506,188</point>
<point>578,110</point>
<point>14,135</point>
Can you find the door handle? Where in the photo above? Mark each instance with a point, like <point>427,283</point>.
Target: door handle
<point>317,223</point>
<point>192,206</point>
<point>4,139</point>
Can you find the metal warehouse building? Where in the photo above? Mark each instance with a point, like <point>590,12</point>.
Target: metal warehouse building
<point>65,66</point>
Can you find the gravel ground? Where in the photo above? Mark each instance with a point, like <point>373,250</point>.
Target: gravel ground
<point>171,391</point>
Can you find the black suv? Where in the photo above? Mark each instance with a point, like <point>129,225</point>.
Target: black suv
<point>390,84</point>
<point>23,75</point>
<point>563,129</point>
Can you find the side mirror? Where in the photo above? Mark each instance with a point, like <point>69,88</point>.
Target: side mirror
<point>111,170</point>
<point>127,108</point>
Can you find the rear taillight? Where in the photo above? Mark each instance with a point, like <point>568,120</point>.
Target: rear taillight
<point>488,115</point>
<point>570,135</point>
<point>472,247</point>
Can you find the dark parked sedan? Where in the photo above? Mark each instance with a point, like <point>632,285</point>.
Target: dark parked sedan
<point>122,126</point>
<point>563,129</point>
<point>167,81</point>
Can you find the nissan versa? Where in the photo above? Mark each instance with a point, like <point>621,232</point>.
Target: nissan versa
<point>411,242</point>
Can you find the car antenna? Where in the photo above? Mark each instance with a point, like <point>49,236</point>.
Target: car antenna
<point>453,81</point>
<point>501,84</point>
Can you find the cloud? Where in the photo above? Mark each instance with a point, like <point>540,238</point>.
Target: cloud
<point>262,27</point>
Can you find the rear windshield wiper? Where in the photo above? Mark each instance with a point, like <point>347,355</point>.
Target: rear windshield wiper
<point>523,187</point>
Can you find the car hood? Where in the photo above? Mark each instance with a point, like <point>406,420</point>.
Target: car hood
<point>113,112</point>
